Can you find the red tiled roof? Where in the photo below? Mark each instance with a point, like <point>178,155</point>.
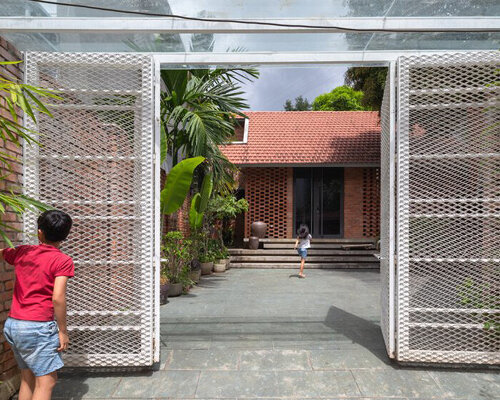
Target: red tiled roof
<point>309,137</point>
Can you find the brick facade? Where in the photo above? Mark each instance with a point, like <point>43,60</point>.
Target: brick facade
<point>361,203</point>
<point>11,181</point>
<point>269,192</point>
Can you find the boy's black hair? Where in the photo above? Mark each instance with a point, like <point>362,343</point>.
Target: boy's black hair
<point>303,231</point>
<point>55,225</point>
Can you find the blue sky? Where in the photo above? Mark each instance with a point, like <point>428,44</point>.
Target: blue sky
<point>276,84</point>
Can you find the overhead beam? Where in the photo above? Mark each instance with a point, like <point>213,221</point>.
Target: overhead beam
<point>382,58</point>
<point>319,25</point>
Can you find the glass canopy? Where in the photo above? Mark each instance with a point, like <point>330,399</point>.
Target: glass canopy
<point>316,12</point>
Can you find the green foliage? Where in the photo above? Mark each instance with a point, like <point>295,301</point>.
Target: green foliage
<point>369,80</point>
<point>178,183</point>
<point>342,98</point>
<point>226,207</point>
<point>198,114</point>
<point>199,203</point>
<point>178,252</point>
<point>15,96</point>
<point>301,104</point>
<point>475,295</point>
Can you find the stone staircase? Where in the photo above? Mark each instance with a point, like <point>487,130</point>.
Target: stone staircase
<point>324,253</point>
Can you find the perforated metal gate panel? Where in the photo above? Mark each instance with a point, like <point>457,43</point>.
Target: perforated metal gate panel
<point>449,208</point>
<point>387,191</point>
<point>96,163</point>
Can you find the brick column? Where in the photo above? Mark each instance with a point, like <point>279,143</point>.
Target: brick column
<point>9,374</point>
<point>353,203</point>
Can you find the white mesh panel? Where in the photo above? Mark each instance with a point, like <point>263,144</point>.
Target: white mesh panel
<point>95,162</point>
<point>386,219</point>
<point>449,208</point>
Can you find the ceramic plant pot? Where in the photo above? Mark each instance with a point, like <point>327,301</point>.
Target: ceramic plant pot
<point>195,275</point>
<point>253,243</point>
<point>164,293</point>
<point>206,268</point>
<point>258,229</point>
<point>220,267</point>
<point>175,290</point>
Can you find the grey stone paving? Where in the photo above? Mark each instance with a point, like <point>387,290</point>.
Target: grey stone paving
<point>266,334</point>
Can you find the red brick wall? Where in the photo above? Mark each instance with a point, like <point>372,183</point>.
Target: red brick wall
<point>361,203</point>
<point>12,181</point>
<point>269,192</point>
<point>353,203</point>
<point>371,202</point>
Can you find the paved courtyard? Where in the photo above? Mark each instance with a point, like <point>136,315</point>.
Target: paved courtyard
<point>267,334</point>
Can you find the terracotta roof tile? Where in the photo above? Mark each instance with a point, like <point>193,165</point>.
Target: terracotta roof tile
<point>309,137</point>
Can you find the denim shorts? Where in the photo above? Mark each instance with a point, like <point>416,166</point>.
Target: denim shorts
<point>34,344</point>
<point>302,253</point>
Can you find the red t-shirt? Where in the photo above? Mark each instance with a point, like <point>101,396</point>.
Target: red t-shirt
<point>36,270</point>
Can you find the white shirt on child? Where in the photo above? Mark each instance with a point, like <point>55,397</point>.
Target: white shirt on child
<point>305,243</point>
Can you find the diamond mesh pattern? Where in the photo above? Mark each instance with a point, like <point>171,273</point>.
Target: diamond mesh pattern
<point>95,162</point>
<point>386,196</point>
<point>449,209</point>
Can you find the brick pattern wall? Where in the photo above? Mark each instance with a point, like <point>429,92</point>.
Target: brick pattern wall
<point>12,181</point>
<point>361,202</point>
<point>371,202</point>
<point>353,203</point>
<point>269,192</point>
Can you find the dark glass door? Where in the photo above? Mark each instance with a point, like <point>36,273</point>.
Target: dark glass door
<point>318,199</point>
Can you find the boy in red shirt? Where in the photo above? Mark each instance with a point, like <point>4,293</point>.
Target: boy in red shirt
<point>42,273</point>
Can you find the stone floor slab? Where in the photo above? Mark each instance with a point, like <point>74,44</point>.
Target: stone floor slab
<point>221,359</point>
<point>348,359</point>
<point>469,385</point>
<point>397,382</point>
<point>274,360</point>
<point>71,387</point>
<point>241,384</point>
<point>307,384</point>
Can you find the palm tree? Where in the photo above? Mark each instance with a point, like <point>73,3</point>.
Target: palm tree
<point>198,112</point>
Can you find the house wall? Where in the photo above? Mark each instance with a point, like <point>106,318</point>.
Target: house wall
<point>361,203</point>
<point>269,192</point>
<point>9,373</point>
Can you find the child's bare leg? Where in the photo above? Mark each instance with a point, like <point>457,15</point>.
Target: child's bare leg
<point>302,262</point>
<point>27,385</point>
<point>44,385</point>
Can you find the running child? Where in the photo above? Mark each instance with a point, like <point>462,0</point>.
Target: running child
<point>302,243</point>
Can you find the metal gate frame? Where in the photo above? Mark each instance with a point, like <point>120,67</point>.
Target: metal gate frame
<point>431,327</point>
<point>387,212</point>
<point>130,326</point>
<point>395,249</point>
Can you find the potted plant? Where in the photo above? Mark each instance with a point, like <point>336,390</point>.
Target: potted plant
<point>164,286</point>
<point>195,271</point>
<point>206,263</point>
<point>177,252</point>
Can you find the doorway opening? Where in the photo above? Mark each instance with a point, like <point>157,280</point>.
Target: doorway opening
<point>319,200</point>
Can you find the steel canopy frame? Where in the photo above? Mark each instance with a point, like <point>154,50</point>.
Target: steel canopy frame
<point>318,25</point>
<point>383,58</point>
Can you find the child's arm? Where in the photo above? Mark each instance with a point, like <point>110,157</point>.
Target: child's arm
<point>59,301</point>
<point>296,243</point>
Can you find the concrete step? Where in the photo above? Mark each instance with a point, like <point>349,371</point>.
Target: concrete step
<point>312,259</point>
<point>291,251</point>
<point>307,266</point>
<point>331,246</point>
<point>319,240</point>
